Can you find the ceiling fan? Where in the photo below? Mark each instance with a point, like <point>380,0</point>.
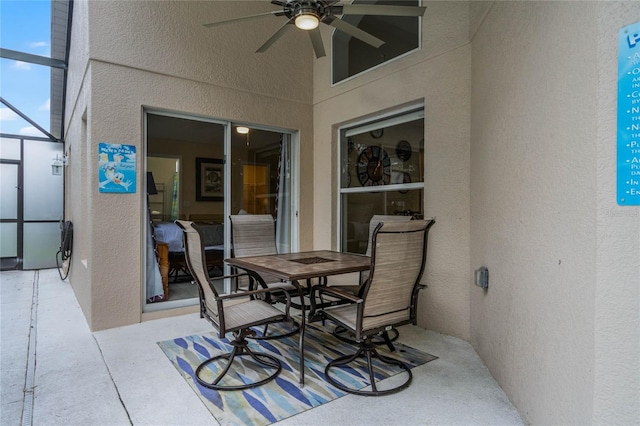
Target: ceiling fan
<point>308,14</point>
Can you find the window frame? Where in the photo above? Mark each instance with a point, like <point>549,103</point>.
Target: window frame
<point>415,111</point>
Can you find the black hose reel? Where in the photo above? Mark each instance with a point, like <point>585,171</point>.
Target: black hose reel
<point>63,256</point>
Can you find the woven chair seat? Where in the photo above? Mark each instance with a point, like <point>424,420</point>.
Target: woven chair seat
<point>246,314</point>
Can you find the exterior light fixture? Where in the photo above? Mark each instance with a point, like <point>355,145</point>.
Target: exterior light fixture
<point>242,130</point>
<point>307,21</point>
<point>58,164</point>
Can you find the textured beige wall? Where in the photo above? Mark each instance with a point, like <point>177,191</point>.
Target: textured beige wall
<point>76,186</point>
<point>157,54</point>
<point>439,75</point>
<point>542,190</point>
<point>616,398</point>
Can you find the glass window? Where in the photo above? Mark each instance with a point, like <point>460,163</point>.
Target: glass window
<point>352,56</point>
<point>382,172</point>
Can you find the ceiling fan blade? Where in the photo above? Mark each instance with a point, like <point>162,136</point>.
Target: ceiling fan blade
<point>316,41</point>
<point>372,9</point>
<point>283,29</point>
<point>243,18</point>
<point>353,31</point>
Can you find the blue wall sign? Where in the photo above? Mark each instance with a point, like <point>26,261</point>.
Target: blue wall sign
<point>628,193</point>
<point>116,168</point>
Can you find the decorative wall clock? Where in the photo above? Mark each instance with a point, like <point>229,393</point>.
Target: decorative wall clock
<point>376,134</point>
<point>374,167</point>
<point>403,150</point>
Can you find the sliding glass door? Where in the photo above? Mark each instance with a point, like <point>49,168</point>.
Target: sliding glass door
<point>203,171</point>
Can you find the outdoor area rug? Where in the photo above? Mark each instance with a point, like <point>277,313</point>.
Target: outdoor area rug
<point>282,397</point>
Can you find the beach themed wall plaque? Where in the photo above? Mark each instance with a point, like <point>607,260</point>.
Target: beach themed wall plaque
<point>116,168</point>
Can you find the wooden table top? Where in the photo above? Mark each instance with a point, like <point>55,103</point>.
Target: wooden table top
<point>304,265</point>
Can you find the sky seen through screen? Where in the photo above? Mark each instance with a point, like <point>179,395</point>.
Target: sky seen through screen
<point>25,26</point>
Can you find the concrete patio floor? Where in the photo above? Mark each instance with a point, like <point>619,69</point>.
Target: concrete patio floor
<point>55,371</point>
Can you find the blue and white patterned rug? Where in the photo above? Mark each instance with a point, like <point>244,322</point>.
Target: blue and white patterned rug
<point>282,397</point>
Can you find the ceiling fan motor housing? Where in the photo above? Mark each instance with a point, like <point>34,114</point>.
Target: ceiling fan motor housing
<point>295,8</point>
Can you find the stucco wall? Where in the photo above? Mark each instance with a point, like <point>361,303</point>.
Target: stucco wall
<point>542,181</point>
<point>438,75</point>
<point>616,398</point>
<point>77,192</point>
<point>157,54</point>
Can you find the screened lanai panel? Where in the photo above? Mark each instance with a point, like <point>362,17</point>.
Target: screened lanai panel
<point>9,191</point>
<point>42,191</point>
<point>41,242</point>
<point>9,148</point>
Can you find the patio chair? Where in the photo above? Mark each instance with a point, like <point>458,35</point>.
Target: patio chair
<point>388,336</point>
<point>232,313</point>
<point>254,235</point>
<point>387,299</point>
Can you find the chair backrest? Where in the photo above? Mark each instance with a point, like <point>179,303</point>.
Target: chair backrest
<point>197,263</point>
<point>379,218</point>
<point>397,263</point>
<point>375,220</point>
<point>253,235</point>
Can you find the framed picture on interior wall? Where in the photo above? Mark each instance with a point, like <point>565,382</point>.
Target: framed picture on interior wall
<point>209,179</point>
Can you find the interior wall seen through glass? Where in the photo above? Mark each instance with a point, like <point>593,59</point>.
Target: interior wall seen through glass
<point>171,138</point>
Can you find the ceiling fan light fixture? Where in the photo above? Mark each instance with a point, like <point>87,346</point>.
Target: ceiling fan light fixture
<point>242,130</point>
<point>307,21</point>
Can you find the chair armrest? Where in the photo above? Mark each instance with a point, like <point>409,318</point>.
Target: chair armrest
<point>340,293</point>
<point>252,292</point>
<point>222,277</point>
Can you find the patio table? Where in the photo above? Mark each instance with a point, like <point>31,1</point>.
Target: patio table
<point>294,267</point>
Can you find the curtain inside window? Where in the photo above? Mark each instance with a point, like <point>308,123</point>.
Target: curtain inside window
<point>283,201</point>
<point>174,201</point>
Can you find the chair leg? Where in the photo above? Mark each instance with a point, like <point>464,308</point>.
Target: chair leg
<point>368,350</point>
<point>384,339</point>
<point>389,341</point>
<point>295,328</point>
<point>240,349</point>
